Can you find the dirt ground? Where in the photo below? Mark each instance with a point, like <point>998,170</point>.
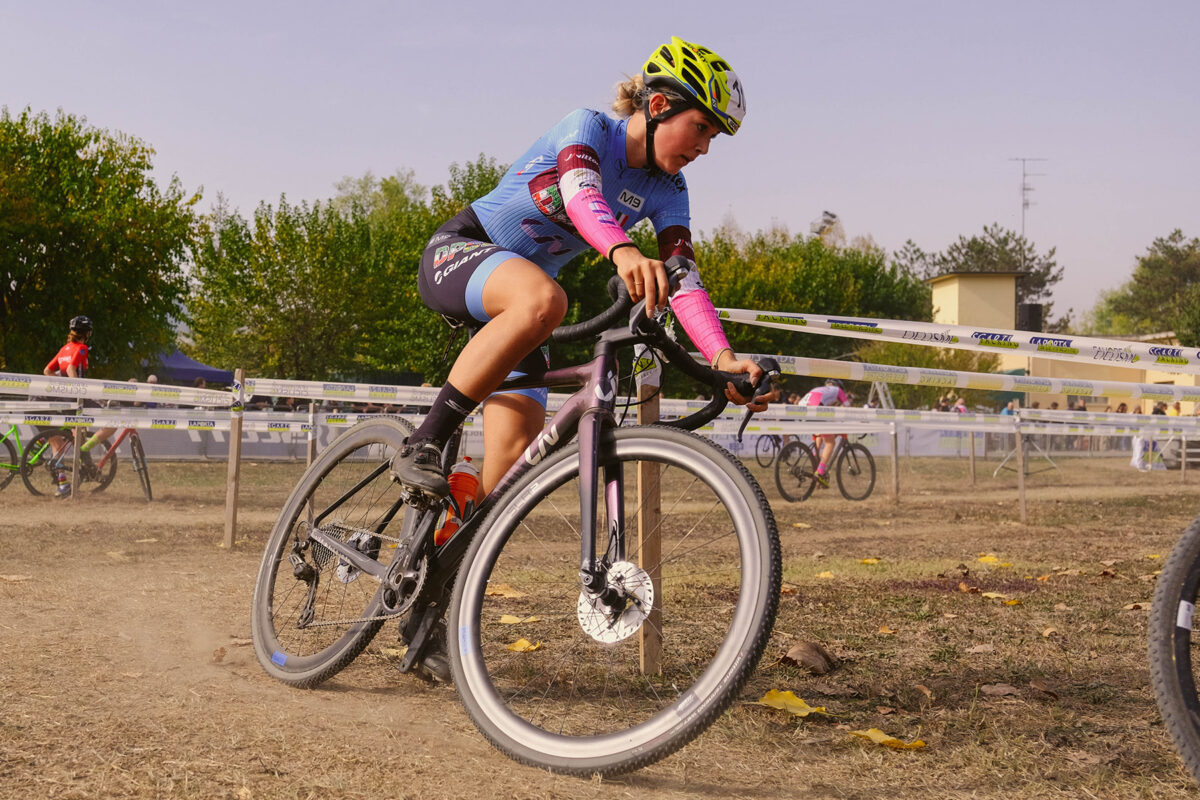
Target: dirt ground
<point>127,672</point>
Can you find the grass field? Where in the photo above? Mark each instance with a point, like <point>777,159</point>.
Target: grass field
<point>1016,653</point>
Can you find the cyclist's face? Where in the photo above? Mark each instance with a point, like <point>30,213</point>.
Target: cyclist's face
<point>682,139</point>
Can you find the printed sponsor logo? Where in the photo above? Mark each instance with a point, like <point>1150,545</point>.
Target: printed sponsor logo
<point>1022,383</point>
<point>162,424</point>
<point>871,370</point>
<point>212,399</point>
<point>1175,360</point>
<point>37,419</point>
<point>1154,394</point>
<point>1047,344</point>
<point>381,392</point>
<point>1078,387</point>
<point>446,252</point>
<point>278,426</point>
<point>166,391</point>
<point>439,237</point>
<point>846,325</point>
<point>336,419</point>
<point>1002,340</point>
<point>201,424</point>
<point>723,314</point>
<point>1169,352</point>
<point>537,451</point>
<point>122,389</point>
<point>926,336</point>
<point>338,389</point>
<point>1118,354</point>
<point>14,382</point>
<point>79,422</point>
<point>800,321</point>
<point>937,377</point>
<point>631,200</point>
<point>72,389</point>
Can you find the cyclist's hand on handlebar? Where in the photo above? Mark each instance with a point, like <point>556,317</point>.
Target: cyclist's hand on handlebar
<point>643,277</point>
<point>755,372</point>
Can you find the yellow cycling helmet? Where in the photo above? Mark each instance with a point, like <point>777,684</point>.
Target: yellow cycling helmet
<point>702,76</point>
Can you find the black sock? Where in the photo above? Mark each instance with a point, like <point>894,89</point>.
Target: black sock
<point>447,412</point>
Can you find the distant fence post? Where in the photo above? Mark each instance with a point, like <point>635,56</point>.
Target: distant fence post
<point>312,432</point>
<point>233,473</point>
<point>895,465</point>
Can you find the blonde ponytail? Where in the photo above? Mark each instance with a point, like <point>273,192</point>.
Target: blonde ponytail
<point>631,96</point>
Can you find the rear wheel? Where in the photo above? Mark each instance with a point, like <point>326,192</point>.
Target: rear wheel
<point>312,612</point>
<point>552,676</point>
<point>40,464</point>
<point>765,449</point>
<point>795,471</point>
<point>856,472</point>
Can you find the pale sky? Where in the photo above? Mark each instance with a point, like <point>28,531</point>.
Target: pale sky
<point>901,117</point>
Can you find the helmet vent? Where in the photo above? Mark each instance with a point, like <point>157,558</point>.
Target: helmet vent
<point>694,81</point>
<point>667,56</point>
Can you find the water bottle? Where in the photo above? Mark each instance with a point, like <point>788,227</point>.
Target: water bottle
<point>464,488</point>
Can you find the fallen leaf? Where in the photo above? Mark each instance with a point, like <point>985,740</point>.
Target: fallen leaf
<point>885,710</point>
<point>923,689</point>
<point>787,590</point>
<point>963,587</point>
<point>144,541</point>
<point>982,648</point>
<point>1108,562</point>
<point>1044,578</point>
<point>524,646</point>
<point>218,655</point>
<point>15,578</point>
<point>1013,602</point>
<point>509,619</point>
<point>1046,634</point>
<point>948,615</point>
<point>990,558</point>
<point>787,701</point>
<point>811,656</point>
<point>826,574</point>
<point>503,590</point>
<point>879,737</point>
<point>1153,556</point>
<point>885,630</point>
<point>999,689</point>
<point>1043,687</point>
<point>869,561</point>
<point>801,525</point>
<point>994,595</point>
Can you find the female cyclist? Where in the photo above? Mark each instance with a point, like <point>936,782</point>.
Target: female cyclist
<point>581,184</point>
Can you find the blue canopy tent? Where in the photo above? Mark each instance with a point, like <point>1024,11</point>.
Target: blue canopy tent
<point>178,368</point>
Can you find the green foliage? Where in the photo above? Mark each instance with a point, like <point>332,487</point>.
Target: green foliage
<point>996,250</point>
<point>330,290</point>
<point>909,355</point>
<point>1162,294</point>
<point>85,230</point>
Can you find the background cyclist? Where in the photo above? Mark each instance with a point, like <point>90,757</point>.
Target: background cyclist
<point>582,184</point>
<point>831,394</point>
<point>71,361</point>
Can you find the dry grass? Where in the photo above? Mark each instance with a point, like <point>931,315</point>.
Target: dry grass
<point>110,688</point>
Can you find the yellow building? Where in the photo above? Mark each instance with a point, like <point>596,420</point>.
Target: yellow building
<point>989,299</point>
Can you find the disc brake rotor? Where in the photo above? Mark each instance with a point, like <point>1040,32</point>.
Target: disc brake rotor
<point>608,625</point>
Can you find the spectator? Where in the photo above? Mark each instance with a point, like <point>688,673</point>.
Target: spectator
<point>960,406</point>
<point>1010,409</point>
<point>1175,410</point>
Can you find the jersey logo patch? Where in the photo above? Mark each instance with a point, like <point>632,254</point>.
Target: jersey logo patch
<point>631,200</point>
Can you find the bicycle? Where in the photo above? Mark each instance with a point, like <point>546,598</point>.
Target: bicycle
<point>40,461</point>
<point>10,456</point>
<point>766,448</point>
<point>796,469</point>
<point>1171,646</point>
<point>542,602</point>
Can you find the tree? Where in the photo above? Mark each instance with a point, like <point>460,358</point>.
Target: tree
<point>996,250</point>
<point>85,230</point>
<point>1162,294</point>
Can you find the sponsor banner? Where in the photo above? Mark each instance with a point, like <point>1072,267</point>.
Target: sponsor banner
<point>1079,349</point>
<point>125,392</point>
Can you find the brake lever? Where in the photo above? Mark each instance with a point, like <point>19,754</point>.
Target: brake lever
<point>771,377</point>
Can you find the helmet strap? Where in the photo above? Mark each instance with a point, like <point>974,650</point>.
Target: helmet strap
<point>651,124</point>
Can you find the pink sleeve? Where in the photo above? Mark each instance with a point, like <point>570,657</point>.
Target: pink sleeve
<point>842,398</point>
<point>579,183</point>
<point>699,318</point>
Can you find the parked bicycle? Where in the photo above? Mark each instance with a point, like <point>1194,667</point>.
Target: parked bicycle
<point>766,448</point>
<point>554,616</point>
<point>796,469</point>
<point>40,465</point>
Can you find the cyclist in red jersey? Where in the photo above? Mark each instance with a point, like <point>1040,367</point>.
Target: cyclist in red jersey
<point>492,267</point>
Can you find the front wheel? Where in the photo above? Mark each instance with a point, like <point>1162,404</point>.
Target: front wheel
<point>312,612</point>
<point>555,681</point>
<point>795,471</point>
<point>765,449</point>
<point>1172,646</point>
<point>139,465</point>
<point>856,472</point>
<point>10,465</point>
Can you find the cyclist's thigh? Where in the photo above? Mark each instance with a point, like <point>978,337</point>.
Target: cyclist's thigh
<point>454,266</point>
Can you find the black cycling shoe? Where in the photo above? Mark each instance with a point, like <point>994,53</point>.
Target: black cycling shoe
<point>419,467</point>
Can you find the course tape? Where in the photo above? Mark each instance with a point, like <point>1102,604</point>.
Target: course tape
<point>1078,349</point>
<point>993,382</point>
<point>123,391</point>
